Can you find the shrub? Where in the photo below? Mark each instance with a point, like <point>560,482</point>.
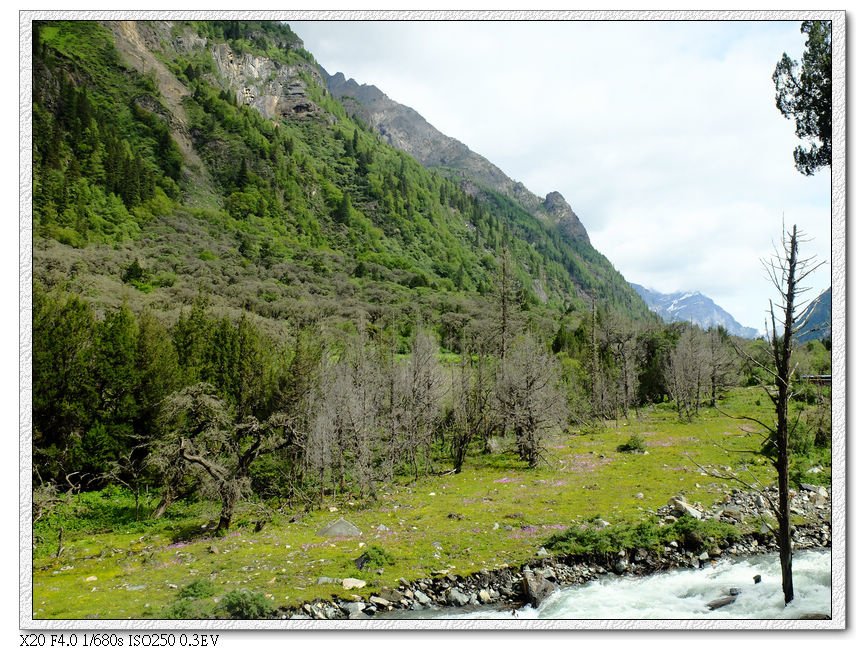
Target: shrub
<point>201,588</point>
<point>374,557</point>
<point>635,444</point>
<point>187,609</point>
<point>245,604</point>
<point>587,540</point>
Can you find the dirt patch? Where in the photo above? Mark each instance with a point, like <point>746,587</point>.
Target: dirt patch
<point>584,463</point>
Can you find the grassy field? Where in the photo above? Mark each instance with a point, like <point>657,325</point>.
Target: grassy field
<point>495,513</point>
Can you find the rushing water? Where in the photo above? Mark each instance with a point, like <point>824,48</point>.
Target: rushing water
<point>684,594</point>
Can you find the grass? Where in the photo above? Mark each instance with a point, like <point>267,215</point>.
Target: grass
<point>495,513</point>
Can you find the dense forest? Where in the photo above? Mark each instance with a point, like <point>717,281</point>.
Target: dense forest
<point>233,307</point>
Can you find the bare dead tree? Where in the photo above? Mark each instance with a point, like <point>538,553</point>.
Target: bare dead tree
<point>786,271</point>
<point>529,396</point>
<point>721,362</point>
<point>686,372</point>
<point>472,393</point>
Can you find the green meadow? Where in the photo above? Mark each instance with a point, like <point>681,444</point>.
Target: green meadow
<point>495,513</point>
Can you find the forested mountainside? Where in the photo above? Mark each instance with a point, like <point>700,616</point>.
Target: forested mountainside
<point>211,229</point>
<point>214,154</point>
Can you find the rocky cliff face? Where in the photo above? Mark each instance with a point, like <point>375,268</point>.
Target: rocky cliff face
<point>275,91</point>
<point>405,129</point>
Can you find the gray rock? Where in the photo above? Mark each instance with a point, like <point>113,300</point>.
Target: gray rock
<point>422,598</point>
<point>381,603</point>
<point>353,583</point>
<point>323,580</point>
<point>340,528</point>
<point>721,602</point>
<point>484,597</point>
<point>535,587</point>
<point>353,610</point>
<point>685,508</point>
<point>391,595</point>
<point>758,578</point>
<point>456,597</point>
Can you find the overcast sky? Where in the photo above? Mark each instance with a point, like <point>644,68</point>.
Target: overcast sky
<point>663,136</point>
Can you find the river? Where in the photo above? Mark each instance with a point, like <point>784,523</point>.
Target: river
<point>681,594</point>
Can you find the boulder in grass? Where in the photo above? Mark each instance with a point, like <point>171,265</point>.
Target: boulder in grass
<point>340,528</point>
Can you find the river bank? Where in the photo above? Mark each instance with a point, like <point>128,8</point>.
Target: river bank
<point>532,582</point>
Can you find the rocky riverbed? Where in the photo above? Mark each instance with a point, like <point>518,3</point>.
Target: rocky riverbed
<point>513,587</point>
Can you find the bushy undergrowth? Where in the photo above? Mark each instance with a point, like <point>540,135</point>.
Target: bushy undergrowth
<point>246,605</point>
<point>112,509</point>
<point>590,540</point>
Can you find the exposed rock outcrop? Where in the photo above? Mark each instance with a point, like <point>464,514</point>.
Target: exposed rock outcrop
<point>274,90</point>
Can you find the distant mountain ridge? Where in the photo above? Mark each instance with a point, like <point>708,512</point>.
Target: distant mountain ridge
<point>815,322</point>
<point>404,128</point>
<point>692,307</point>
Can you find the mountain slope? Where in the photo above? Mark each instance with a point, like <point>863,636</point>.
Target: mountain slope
<point>405,129</point>
<point>692,307</point>
<point>815,322</point>
<point>408,131</point>
<point>178,159</point>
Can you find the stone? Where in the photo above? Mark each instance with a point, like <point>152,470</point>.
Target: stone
<point>391,595</point>
<point>536,588</point>
<point>92,579</point>
<point>353,583</point>
<point>340,528</point>
<point>703,556</point>
<point>422,598</point>
<point>457,597</point>
<point>685,508</point>
<point>484,597</point>
<point>323,580</point>
<point>353,610</point>
<point>381,603</point>
<point>758,578</point>
<point>542,552</point>
<point>721,602</point>
<point>735,591</point>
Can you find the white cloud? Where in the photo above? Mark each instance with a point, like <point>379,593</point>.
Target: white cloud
<point>663,136</point>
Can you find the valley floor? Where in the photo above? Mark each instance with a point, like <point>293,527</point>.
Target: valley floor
<point>494,515</point>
